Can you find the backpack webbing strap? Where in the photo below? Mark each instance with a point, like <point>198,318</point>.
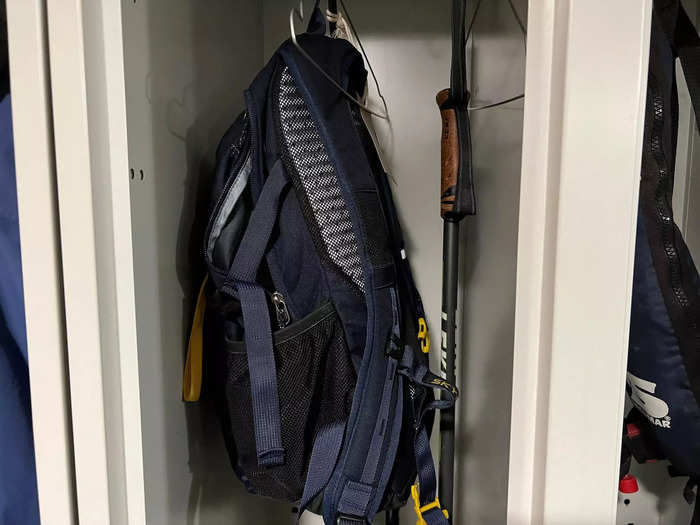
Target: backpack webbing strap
<point>241,281</point>
<point>428,508</point>
<point>427,505</point>
<point>324,456</point>
<point>192,376</point>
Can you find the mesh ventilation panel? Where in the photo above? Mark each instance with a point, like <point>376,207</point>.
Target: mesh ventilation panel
<point>319,181</point>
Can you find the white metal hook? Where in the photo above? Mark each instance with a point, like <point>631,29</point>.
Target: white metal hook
<point>299,12</point>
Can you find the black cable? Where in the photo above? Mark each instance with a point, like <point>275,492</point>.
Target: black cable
<point>496,104</point>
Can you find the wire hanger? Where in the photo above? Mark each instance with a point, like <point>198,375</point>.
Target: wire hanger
<point>524,32</point>
<point>299,12</point>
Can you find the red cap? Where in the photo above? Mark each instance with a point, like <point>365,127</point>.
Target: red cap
<point>632,430</point>
<point>628,484</point>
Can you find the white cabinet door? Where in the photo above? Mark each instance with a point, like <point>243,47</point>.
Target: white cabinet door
<point>585,97</point>
<point>41,259</point>
<point>89,117</point>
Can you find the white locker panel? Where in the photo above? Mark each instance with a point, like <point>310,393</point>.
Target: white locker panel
<point>41,259</point>
<point>583,129</point>
<point>86,275</point>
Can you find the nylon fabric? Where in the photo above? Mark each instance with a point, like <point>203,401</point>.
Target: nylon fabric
<point>355,499</point>
<point>258,333</point>
<point>333,243</point>
<point>426,468</point>
<point>418,374</point>
<point>323,459</point>
<point>332,115</point>
<point>192,377</point>
<point>435,517</point>
<point>663,380</point>
<point>18,491</point>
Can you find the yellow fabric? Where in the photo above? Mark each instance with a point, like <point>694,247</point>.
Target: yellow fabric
<point>192,377</point>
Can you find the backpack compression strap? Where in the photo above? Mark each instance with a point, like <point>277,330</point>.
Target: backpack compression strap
<point>241,282</point>
<point>424,493</point>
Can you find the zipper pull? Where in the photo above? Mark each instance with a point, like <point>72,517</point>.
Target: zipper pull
<point>280,309</point>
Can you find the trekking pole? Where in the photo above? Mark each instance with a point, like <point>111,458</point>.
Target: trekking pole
<point>457,199</point>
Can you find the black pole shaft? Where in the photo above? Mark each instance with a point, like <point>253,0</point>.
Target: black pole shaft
<point>392,517</point>
<point>450,278</point>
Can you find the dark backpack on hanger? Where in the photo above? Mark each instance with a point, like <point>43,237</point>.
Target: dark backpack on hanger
<point>663,371</point>
<point>314,338</point>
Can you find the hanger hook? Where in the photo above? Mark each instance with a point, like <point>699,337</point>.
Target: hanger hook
<point>293,35</point>
<point>299,12</point>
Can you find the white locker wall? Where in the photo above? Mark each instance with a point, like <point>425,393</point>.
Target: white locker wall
<point>186,66</point>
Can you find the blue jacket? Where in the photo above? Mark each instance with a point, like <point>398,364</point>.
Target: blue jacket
<point>18,493</point>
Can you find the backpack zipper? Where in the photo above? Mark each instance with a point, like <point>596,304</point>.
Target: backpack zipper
<point>281,310</point>
<point>663,208</point>
<point>239,151</point>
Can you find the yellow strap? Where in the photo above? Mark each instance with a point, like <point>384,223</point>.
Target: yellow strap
<point>192,378</point>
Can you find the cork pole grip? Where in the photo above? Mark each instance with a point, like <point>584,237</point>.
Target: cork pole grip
<point>449,151</point>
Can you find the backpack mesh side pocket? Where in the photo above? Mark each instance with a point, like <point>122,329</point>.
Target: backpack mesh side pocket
<point>313,371</point>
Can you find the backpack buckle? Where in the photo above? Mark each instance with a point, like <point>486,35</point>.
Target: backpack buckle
<point>342,519</point>
<point>425,508</point>
<point>394,347</point>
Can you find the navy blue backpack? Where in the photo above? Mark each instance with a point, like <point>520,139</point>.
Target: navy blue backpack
<point>663,378</point>
<point>314,337</point>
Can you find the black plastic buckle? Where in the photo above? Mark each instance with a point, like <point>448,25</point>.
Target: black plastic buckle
<point>345,518</point>
<point>394,347</point>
